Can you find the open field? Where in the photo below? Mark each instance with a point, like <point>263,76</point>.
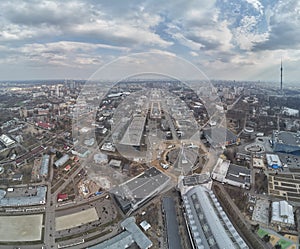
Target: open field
<point>76,219</point>
<point>21,228</point>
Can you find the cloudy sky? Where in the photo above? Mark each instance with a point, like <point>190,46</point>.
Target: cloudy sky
<point>226,39</point>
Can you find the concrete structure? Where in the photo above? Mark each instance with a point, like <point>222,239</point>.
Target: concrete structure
<point>261,211</point>
<point>258,163</point>
<point>134,132</point>
<point>286,142</point>
<point>38,199</point>
<point>273,161</point>
<point>208,223</point>
<point>6,140</point>
<point>155,111</point>
<point>282,214</point>
<point>61,161</point>
<point>173,236</point>
<point>132,234</point>
<point>231,174</point>
<point>100,158</point>
<point>44,165</point>
<point>17,177</point>
<point>196,179</point>
<point>220,136</point>
<point>115,163</point>
<point>135,192</point>
<point>145,225</point>
<point>284,186</point>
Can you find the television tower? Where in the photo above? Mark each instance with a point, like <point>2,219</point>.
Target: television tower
<point>281,69</point>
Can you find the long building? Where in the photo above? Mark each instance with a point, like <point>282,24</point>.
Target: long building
<point>135,192</point>
<point>131,234</point>
<point>232,174</point>
<point>134,132</point>
<point>209,225</point>
<point>173,236</point>
<point>38,199</point>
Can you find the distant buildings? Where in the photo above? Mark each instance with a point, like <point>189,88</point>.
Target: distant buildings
<point>45,125</point>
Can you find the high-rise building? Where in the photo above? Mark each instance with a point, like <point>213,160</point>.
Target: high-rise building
<point>281,70</point>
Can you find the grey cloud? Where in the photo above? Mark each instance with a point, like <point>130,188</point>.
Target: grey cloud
<point>282,36</point>
<point>284,23</point>
<point>208,44</point>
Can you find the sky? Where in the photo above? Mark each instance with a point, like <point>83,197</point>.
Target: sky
<point>226,39</point>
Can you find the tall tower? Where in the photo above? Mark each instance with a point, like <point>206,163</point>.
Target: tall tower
<point>281,69</point>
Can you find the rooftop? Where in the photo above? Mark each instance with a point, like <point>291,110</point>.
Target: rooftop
<point>141,187</point>
<point>134,132</point>
<point>282,212</point>
<point>45,165</point>
<point>209,224</point>
<point>290,138</point>
<point>238,173</point>
<point>37,199</point>
<point>171,223</point>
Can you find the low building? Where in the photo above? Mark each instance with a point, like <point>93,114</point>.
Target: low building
<point>45,125</point>
<point>220,136</point>
<point>38,198</point>
<point>273,161</point>
<point>44,166</point>
<point>134,193</point>
<point>115,163</point>
<point>131,234</point>
<point>258,163</point>
<point>61,161</point>
<point>62,197</point>
<point>81,152</point>
<point>134,132</point>
<point>145,225</point>
<point>100,158</point>
<point>231,174</point>
<point>6,140</point>
<point>17,177</point>
<point>108,147</point>
<point>282,214</point>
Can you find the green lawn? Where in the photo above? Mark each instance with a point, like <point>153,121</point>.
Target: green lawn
<point>284,244</point>
<point>261,233</point>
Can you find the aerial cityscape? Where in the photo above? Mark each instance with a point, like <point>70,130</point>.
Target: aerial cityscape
<point>133,125</point>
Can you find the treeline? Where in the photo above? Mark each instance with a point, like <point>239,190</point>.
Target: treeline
<point>251,239</point>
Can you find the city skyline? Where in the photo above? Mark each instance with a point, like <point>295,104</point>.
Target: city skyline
<point>230,40</point>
